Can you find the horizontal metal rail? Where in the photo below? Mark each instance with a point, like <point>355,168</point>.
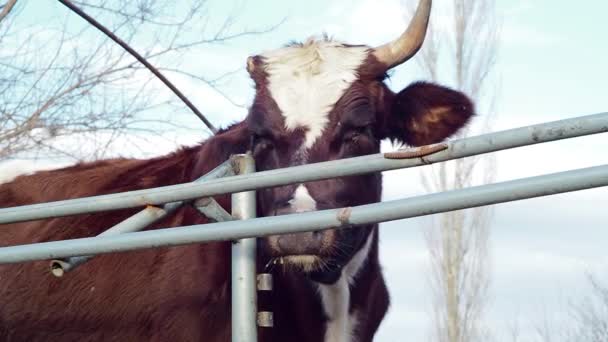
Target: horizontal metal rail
<point>150,215</point>
<point>325,219</point>
<point>517,137</point>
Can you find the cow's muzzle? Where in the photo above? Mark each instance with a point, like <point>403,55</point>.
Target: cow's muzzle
<point>307,243</point>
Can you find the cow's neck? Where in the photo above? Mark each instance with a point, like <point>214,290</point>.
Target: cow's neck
<point>341,321</point>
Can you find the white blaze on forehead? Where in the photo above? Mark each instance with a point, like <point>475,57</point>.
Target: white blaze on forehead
<point>307,80</point>
<point>302,201</point>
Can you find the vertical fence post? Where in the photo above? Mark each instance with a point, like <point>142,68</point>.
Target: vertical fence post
<point>244,301</point>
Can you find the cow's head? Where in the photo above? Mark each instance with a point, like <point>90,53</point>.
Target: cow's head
<point>323,100</point>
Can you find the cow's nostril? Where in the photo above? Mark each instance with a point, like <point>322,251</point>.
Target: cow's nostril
<point>289,243</point>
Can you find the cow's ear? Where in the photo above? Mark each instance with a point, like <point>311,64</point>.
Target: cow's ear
<point>425,113</point>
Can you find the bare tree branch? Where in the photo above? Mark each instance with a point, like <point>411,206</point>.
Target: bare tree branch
<point>62,79</point>
<point>586,316</point>
<point>142,60</point>
<point>6,8</point>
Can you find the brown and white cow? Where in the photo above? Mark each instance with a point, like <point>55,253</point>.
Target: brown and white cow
<point>315,101</point>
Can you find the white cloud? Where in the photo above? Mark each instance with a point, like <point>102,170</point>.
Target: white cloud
<point>403,324</point>
<point>518,36</point>
<point>366,22</point>
<point>518,7</point>
<point>514,261</point>
<point>217,106</point>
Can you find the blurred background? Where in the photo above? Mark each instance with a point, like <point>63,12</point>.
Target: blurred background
<point>532,270</point>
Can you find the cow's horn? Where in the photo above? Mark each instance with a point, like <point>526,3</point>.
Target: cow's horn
<point>405,47</point>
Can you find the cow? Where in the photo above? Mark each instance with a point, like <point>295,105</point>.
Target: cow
<point>315,101</point>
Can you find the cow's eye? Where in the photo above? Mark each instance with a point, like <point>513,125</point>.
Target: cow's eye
<point>358,141</point>
<point>351,136</point>
<point>355,133</point>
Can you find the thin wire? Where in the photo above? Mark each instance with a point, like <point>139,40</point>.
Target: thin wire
<point>141,59</point>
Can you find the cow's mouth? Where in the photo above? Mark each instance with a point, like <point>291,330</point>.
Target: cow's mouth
<point>302,262</point>
<point>317,255</point>
<point>318,268</point>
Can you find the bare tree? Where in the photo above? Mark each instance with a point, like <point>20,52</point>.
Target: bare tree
<point>64,79</point>
<point>583,319</point>
<point>461,48</point>
<point>590,314</point>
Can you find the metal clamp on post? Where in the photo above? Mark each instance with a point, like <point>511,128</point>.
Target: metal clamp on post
<point>244,296</point>
<point>265,318</point>
<point>264,282</point>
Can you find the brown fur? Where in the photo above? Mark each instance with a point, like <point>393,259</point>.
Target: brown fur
<point>429,113</point>
<point>167,294</point>
<point>163,294</point>
<point>182,293</point>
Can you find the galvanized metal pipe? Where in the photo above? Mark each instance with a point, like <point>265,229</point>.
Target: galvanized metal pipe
<point>529,135</point>
<point>379,212</point>
<point>134,223</point>
<point>244,295</point>
<point>213,210</point>
<point>146,217</point>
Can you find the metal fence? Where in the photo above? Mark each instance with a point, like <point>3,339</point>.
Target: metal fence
<point>237,177</point>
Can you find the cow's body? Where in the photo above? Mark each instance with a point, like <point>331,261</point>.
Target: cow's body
<point>315,101</point>
<point>177,294</point>
<point>167,294</point>
<point>141,296</point>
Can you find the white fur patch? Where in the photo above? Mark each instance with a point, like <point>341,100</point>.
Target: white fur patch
<point>11,169</point>
<point>302,201</point>
<point>351,269</point>
<point>307,80</point>
<point>336,299</point>
<point>306,263</point>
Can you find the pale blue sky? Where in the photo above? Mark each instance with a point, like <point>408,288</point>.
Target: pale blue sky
<point>552,65</point>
